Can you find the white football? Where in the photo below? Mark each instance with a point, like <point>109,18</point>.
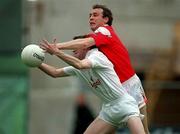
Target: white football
<point>32,55</point>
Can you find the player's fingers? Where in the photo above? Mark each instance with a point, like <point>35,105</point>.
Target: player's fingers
<point>45,48</point>
<point>45,42</point>
<point>42,45</point>
<point>54,41</point>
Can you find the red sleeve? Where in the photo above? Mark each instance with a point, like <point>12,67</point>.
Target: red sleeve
<point>100,39</point>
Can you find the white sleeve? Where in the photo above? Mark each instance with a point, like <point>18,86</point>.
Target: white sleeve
<point>99,60</point>
<point>69,70</point>
<point>103,31</point>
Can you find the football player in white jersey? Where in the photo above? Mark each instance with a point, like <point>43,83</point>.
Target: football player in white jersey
<point>108,42</point>
<point>94,69</point>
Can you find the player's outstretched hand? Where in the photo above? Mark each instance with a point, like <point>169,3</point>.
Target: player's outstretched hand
<point>50,48</point>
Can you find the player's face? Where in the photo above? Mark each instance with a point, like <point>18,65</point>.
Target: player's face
<point>96,18</point>
<point>80,53</point>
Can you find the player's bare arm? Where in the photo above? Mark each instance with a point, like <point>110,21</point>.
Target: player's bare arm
<point>71,60</point>
<point>76,44</point>
<point>73,44</point>
<point>52,71</point>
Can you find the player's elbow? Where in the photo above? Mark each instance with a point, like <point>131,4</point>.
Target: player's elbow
<point>88,42</point>
<point>81,65</point>
<point>86,45</point>
<point>55,74</point>
<point>78,66</point>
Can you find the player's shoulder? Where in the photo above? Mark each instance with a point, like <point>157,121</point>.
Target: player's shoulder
<point>103,30</point>
<point>99,57</point>
<point>93,52</point>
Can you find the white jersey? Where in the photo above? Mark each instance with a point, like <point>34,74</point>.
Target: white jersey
<point>101,78</point>
<point>118,106</point>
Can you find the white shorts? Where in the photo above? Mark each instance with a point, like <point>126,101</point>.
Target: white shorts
<point>135,89</point>
<point>118,112</point>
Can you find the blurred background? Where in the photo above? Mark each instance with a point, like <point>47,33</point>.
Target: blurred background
<point>33,103</point>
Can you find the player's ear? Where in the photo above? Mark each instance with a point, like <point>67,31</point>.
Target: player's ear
<point>106,19</point>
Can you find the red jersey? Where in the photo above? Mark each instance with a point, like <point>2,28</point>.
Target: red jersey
<point>108,42</point>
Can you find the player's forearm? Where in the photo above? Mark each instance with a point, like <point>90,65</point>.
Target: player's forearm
<point>50,70</point>
<point>70,60</point>
<point>76,44</point>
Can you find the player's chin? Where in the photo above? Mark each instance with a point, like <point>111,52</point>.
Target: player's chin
<point>93,27</point>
